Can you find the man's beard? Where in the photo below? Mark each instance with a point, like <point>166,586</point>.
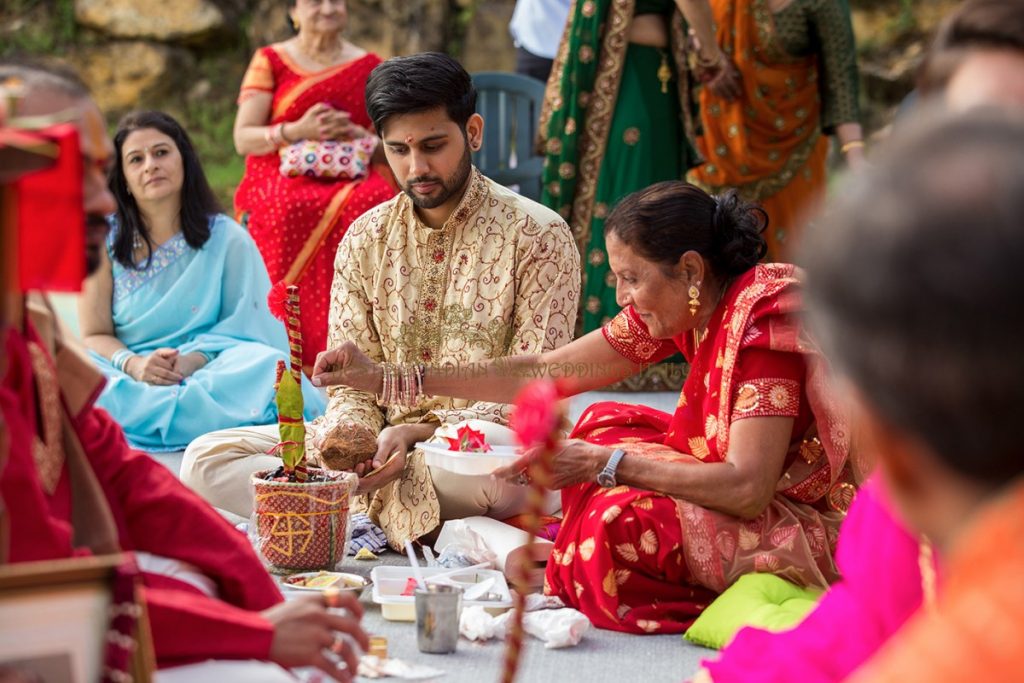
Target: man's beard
<point>450,186</point>
<point>96,228</point>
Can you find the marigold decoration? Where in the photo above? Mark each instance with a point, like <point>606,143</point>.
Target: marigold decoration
<point>468,440</point>
<point>536,417</point>
<point>284,304</point>
<point>277,297</point>
<point>535,421</point>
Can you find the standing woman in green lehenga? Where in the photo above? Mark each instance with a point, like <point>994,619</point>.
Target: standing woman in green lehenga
<point>616,119</point>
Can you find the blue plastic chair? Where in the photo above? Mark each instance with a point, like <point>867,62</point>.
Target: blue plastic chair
<point>510,104</point>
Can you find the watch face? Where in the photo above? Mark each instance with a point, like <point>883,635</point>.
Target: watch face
<point>606,479</point>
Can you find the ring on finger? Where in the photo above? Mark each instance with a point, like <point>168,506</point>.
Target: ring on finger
<point>332,597</point>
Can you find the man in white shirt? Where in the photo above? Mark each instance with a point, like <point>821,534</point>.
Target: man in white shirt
<point>536,28</point>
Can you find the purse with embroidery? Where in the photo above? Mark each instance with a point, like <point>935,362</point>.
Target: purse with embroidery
<point>328,158</point>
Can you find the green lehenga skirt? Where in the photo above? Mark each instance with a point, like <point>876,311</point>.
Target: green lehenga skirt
<point>646,145</point>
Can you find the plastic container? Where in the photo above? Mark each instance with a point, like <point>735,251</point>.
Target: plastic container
<point>389,584</point>
<point>469,464</point>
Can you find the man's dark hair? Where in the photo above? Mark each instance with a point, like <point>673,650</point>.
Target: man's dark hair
<point>418,83</point>
<point>914,289</point>
<point>976,24</point>
<point>198,203</point>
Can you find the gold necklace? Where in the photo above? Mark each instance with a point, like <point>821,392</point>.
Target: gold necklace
<point>317,59</point>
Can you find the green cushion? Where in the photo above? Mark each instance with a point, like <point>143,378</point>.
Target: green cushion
<point>762,600</point>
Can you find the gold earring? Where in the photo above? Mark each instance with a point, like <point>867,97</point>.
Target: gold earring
<point>694,295</point>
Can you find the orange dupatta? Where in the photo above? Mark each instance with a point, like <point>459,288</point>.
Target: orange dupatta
<point>767,143</point>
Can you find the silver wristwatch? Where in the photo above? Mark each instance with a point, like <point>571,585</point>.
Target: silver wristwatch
<point>606,477</point>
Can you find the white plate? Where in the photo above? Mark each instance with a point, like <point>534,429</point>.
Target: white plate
<point>342,581</point>
<point>470,464</point>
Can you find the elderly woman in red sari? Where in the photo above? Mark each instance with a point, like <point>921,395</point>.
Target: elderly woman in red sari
<point>307,88</point>
<point>663,512</point>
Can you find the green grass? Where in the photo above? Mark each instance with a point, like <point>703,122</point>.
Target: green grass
<point>224,178</point>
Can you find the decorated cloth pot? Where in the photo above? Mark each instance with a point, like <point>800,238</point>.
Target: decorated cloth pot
<point>302,525</point>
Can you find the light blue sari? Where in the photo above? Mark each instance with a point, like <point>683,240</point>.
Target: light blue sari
<point>212,300</point>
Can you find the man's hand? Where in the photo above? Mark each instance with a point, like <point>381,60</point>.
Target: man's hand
<point>155,368</point>
<point>393,445</point>
<point>346,365</point>
<point>304,628</point>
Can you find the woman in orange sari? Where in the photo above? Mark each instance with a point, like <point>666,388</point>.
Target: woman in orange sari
<point>798,66</point>
<point>663,512</point>
<point>309,87</point>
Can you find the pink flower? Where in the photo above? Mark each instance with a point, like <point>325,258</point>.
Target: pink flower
<point>535,419</point>
<point>468,440</point>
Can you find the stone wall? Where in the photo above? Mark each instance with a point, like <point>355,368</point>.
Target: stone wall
<point>188,56</point>
<point>141,52</point>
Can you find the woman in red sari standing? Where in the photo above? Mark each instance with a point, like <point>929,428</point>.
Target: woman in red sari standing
<point>309,87</point>
<point>663,512</point>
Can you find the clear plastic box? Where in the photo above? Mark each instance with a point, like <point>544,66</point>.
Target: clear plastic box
<point>389,584</point>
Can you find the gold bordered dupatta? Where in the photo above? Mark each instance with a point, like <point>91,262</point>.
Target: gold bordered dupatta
<point>579,104</point>
<point>759,141</point>
<point>291,94</point>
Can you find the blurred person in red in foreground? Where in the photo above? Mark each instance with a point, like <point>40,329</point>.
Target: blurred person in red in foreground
<point>72,486</point>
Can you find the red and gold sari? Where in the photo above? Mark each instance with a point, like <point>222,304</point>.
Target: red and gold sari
<point>639,561</point>
<point>298,222</point>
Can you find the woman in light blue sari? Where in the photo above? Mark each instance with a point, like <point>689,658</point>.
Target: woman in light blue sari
<point>177,317</point>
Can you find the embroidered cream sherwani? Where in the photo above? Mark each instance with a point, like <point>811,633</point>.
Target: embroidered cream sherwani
<point>500,277</point>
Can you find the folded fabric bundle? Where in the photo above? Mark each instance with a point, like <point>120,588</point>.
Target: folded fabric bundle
<point>365,534</point>
<point>762,600</point>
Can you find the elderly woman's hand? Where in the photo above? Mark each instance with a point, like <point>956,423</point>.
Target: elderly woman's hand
<point>308,127</point>
<point>346,365</point>
<point>575,462</point>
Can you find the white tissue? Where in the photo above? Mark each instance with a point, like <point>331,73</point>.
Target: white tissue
<point>374,667</point>
<point>556,627</point>
<point>477,624</point>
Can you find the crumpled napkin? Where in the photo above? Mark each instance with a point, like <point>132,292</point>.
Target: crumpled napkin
<point>371,666</point>
<point>556,627</point>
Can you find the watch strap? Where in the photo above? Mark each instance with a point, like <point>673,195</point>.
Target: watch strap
<point>607,476</point>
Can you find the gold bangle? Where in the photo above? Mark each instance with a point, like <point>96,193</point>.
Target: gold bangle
<point>710,63</point>
<point>852,144</point>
